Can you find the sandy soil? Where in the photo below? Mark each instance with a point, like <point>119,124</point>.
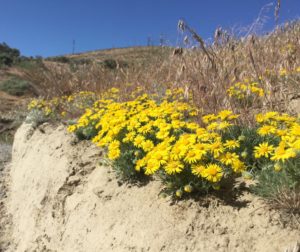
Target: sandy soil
<point>5,220</point>
<point>61,200</point>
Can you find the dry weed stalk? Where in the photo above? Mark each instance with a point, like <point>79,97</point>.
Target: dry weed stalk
<point>206,71</point>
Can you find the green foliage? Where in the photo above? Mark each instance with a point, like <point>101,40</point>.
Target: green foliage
<point>30,63</point>
<point>281,187</point>
<point>36,117</point>
<point>86,133</point>
<point>110,64</point>
<point>8,55</point>
<point>125,167</point>
<point>60,59</point>
<point>113,64</point>
<point>184,182</point>
<point>15,86</point>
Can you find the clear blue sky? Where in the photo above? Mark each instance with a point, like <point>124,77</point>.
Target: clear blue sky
<point>48,27</point>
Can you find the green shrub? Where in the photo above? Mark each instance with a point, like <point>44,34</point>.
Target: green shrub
<point>110,64</point>
<point>15,86</point>
<point>113,64</point>
<point>280,184</point>
<point>8,55</point>
<point>60,59</point>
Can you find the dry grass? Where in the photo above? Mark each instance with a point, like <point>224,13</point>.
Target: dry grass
<point>287,200</point>
<point>205,72</point>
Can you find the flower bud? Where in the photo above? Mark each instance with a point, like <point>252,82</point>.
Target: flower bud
<point>188,188</point>
<point>179,193</point>
<point>247,175</point>
<point>244,154</point>
<point>216,187</point>
<point>277,167</point>
<point>241,138</point>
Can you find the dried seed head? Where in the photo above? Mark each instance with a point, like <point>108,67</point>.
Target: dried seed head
<point>186,40</point>
<point>181,25</point>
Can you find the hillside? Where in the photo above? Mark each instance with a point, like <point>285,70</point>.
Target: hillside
<point>78,205</point>
<point>129,54</point>
<point>198,147</point>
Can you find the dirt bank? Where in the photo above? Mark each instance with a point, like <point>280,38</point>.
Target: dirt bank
<point>5,225</point>
<point>62,200</point>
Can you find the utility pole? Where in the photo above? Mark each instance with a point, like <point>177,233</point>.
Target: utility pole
<point>149,41</point>
<point>161,40</point>
<point>73,46</point>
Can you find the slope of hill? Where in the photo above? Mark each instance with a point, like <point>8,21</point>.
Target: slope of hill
<point>62,200</point>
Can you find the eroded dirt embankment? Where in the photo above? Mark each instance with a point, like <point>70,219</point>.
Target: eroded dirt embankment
<point>62,200</point>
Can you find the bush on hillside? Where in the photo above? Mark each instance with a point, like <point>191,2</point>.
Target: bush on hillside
<point>8,55</point>
<point>15,86</point>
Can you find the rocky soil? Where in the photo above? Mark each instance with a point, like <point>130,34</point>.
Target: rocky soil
<point>61,199</point>
<point>5,224</point>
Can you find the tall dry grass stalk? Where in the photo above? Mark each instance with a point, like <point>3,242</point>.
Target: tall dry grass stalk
<point>205,71</point>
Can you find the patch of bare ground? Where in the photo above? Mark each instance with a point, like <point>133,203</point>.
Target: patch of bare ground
<point>62,200</point>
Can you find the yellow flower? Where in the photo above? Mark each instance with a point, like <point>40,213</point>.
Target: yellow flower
<point>263,150</point>
<point>283,72</point>
<point>162,134</point>
<point>260,118</point>
<point>198,170</point>
<point>224,114</point>
<point>160,156</point>
<point>231,144</point>
<point>114,154</point>
<point>213,173</point>
<point>138,141</point>
<point>193,155</point>
<point>216,148</point>
<point>266,129</point>
<point>229,158</point>
<point>145,129</point>
<point>129,137</point>
<point>212,126</point>
<point>178,151</point>
<point>173,167</point>
<point>72,128</point>
<point>224,125</point>
<point>238,166</point>
<point>152,166</point>
<point>147,145</point>
<point>140,163</point>
<point>115,144</point>
<point>281,153</point>
<point>208,118</point>
<point>295,130</point>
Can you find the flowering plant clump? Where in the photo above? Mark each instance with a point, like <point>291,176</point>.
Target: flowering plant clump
<point>145,137</point>
<point>285,132</point>
<point>245,90</point>
<point>279,155</point>
<point>59,107</point>
<point>163,135</point>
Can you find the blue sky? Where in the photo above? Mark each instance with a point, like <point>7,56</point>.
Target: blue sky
<point>48,27</point>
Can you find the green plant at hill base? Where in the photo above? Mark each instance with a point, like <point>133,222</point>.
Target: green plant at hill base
<point>15,86</point>
<point>30,63</point>
<point>8,55</point>
<point>110,64</point>
<point>282,187</point>
<point>36,117</point>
